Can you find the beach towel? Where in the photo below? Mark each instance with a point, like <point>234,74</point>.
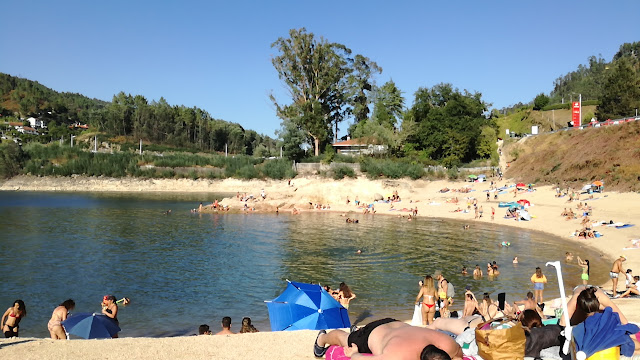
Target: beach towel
<point>416,320</point>
<point>336,352</point>
<point>623,226</point>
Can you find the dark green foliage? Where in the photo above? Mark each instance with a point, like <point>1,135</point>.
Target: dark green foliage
<point>11,160</point>
<point>448,124</point>
<point>622,92</point>
<point>339,172</point>
<point>130,116</point>
<point>540,101</point>
<point>392,169</point>
<point>326,84</point>
<point>278,169</point>
<point>566,106</point>
<point>453,173</point>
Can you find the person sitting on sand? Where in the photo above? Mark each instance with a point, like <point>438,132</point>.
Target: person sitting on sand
<point>204,330</point>
<point>226,327</point>
<point>586,301</point>
<point>529,304</point>
<point>247,327</point>
<point>57,317</point>
<point>392,340</point>
<point>587,294</point>
<point>633,288</point>
<point>488,308</point>
<point>470,303</point>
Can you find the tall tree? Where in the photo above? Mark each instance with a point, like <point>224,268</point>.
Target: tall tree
<point>621,91</point>
<point>359,82</point>
<point>316,74</point>
<point>448,123</point>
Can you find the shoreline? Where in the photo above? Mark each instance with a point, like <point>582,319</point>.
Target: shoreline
<point>421,194</point>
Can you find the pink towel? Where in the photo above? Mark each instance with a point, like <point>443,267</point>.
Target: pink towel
<point>336,352</point>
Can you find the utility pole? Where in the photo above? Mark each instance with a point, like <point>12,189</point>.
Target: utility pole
<point>580,119</point>
<point>140,146</point>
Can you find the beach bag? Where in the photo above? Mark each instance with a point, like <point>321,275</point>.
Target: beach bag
<point>501,344</point>
<point>417,315</point>
<point>451,292</point>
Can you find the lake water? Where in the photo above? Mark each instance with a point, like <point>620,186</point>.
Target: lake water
<point>183,269</point>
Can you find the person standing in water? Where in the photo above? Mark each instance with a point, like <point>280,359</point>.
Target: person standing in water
<point>345,295</point>
<point>538,279</point>
<point>57,317</point>
<point>585,270</point>
<point>428,294</point>
<point>12,317</point>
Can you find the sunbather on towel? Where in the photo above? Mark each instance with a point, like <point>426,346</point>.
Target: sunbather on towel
<point>390,339</point>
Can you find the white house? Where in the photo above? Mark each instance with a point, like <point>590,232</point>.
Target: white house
<point>27,130</point>
<point>358,147</point>
<point>37,123</point>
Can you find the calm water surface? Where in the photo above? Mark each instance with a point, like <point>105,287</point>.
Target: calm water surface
<point>183,270</point>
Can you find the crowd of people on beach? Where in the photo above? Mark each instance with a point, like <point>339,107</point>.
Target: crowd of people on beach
<point>444,336</point>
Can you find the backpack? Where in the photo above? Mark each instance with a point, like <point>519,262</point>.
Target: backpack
<point>451,292</point>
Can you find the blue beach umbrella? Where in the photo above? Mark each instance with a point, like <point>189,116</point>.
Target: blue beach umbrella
<point>91,326</point>
<point>306,306</point>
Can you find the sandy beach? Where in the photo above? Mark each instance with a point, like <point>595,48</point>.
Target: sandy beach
<point>421,194</point>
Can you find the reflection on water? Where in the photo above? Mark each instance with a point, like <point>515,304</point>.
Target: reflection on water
<point>184,269</point>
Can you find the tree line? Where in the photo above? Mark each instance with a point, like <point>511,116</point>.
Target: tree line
<point>130,117</point>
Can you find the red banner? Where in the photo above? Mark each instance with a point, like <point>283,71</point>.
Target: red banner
<point>575,114</point>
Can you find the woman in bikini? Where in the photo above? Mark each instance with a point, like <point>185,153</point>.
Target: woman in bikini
<point>110,309</point>
<point>488,308</point>
<point>345,295</point>
<point>428,293</point>
<point>12,317</point>
<point>470,304</point>
<point>59,315</point>
<point>585,270</point>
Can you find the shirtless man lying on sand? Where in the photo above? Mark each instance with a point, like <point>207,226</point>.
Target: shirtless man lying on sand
<point>390,339</point>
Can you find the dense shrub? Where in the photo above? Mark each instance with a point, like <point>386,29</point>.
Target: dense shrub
<point>391,169</point>
<point>278,169</point>
<point>11,160</point>
<point>566,106</point>
<point>339,172</point>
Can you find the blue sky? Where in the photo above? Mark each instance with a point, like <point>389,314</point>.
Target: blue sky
<point>216,55</point>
